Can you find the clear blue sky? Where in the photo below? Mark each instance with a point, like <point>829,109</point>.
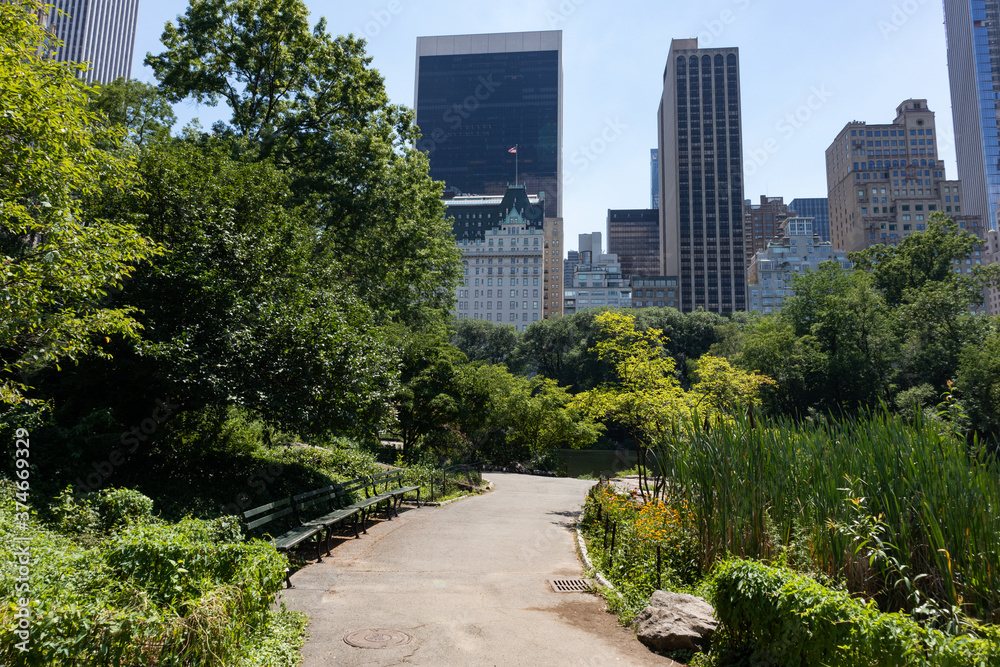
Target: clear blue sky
<point>863,57</point>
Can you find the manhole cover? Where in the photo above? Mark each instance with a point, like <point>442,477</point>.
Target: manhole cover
<point>570,585</point>
<point>378,638</point>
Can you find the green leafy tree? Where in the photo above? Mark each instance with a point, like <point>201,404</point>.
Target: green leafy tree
<point>482,340</point>
<point>427,403</point>
<point>979,382</point>
<point>140,108</point>
<point>548,419</point>
<point>312,103</point>
<point>57,265</point>
<point>796,364</point>
<point>924,281</point>
<point>245,310</point>
<point>852,328</point>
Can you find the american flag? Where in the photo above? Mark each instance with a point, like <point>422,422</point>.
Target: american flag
<point>512,150</point>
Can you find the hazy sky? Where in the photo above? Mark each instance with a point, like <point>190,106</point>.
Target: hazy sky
<point>849,60</point>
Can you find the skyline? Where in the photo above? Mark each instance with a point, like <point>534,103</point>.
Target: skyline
<point>807,71</point>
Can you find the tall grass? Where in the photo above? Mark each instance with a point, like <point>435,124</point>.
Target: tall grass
<point>894,508</point>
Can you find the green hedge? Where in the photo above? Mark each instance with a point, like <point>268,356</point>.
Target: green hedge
<point>783,618</point>
<point>140,592</point>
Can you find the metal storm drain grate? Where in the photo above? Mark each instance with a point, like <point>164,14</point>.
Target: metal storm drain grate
<point>570,585</point>
<point>378,638</point>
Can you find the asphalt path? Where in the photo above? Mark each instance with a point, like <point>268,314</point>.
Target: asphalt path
<point>469,582</point>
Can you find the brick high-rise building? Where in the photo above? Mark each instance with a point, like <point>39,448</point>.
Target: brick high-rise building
<point>701,177</point>
<point>884,181</point>
<point>762,223</point>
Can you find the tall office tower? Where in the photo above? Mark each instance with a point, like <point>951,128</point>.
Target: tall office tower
<point>884,181</point>
<point>762,224</point>
<point>634,235</point>
<point>480,96</point>
<point>99,32</point>
<point>816,208</point>
<point>654,177</point>
<point>973,29</point>
<point>701,177</point>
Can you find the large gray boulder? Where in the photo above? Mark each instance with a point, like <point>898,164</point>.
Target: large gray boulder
<point>676,621</point>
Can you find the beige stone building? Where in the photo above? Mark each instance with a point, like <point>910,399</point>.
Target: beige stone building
<point>885,181</point>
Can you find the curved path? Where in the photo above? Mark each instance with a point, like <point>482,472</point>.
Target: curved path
<point>469,582</point>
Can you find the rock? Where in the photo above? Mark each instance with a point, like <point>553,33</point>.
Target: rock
<point>675,621</point>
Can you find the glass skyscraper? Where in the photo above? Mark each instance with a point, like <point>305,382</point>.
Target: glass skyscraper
<point>478,98</point>
<point>701,177</point>
<point>816,208</point>
<point>634,236</point>
<point>99,32</point>
<point>973,28</point>
<point>654,176</point>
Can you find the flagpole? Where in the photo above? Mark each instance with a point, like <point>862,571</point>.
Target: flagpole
<point>516,158</point>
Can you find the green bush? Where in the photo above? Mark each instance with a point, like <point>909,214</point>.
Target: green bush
<point>151,593</point>
<point>779,617</point>
<point>120,508</point>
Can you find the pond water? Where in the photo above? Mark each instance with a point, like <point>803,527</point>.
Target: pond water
<point>597,462</point>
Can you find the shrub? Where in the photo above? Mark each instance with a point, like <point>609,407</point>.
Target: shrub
<point>783,618</point>
<point>120,508</point>
<point>151,593</point>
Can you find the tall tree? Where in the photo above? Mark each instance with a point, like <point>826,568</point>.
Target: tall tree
<point>852,327</point>
<point>140,108</point>
<point>246,308</point>
<point>312,103</point>
<point>57,266</point>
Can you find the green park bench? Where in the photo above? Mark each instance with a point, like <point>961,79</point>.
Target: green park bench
<point>266,520</point>
<point>327,501</point>
<point>392,485</point>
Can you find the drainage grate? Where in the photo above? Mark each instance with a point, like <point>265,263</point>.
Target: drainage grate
<point>570,585</point>
<point>378,638</point>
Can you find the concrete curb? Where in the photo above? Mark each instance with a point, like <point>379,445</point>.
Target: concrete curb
<point>489,487</point>
<point>581,545</point>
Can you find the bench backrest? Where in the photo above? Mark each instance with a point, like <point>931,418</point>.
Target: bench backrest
<point>315,501</point>
<point>344,492</point>
<point>386,479</point>
<point>279,510</point>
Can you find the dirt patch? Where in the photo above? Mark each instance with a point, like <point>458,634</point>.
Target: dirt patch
<point>588,613</point>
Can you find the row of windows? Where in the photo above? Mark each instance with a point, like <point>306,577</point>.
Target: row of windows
<point>513,272</point>
<point>892,133</point>
<point>489,293</point>
<point>514,282</point>
<point>499,317</point>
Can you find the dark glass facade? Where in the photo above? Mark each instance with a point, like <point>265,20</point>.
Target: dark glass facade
<point>654,178</point>
<point>634,235</point>
<point>708,219</point>
<point>473,108</point>
<point>818,209</point>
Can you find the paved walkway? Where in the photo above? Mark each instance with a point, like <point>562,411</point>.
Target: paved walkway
<point>469,582</point>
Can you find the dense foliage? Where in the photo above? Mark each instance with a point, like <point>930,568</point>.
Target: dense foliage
<point>112,585</point>
<point>57,263</point>
<point>782,618</point>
